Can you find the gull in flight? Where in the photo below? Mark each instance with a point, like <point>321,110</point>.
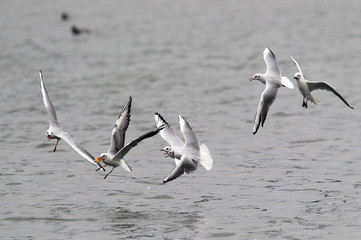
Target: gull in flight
<point>117,150</point>
<point>55,131</point>
<point>187,155</point>
<point>306,87</point>
<point>273,80</point>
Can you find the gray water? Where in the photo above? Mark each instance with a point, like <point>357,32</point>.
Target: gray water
<point>297,178</point>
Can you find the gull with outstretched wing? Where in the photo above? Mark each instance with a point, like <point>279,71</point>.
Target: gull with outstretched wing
<point>306,87</point>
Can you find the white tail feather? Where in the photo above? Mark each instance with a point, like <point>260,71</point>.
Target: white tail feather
<point>206,158</point>
<point>314,100</point>
<point>286,82</point>
<point>125,165</point>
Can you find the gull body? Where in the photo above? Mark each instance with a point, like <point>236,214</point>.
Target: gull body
<point>55,131</point>
<point>188,154</point>
<point>306,87</point>
<point>273,80</point>
<point>117,150</point>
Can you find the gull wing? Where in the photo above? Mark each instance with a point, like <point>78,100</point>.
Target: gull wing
<point>267,98</point>
<point>185,165</point>
<point>177,171</point>
<point>272,66</point>
<point>120,128</point>
<point>120,155</point>
<point>76,146</point>
<point>53,120</point>
<point>167,132</point>
<point>298,66</point>
<point>325,86</point>
<point>190,138</point>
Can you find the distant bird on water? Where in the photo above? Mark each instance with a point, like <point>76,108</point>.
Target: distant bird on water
<point>64,16</point>
<point>76,31</point>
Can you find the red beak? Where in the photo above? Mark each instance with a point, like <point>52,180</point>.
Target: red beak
<point>49,136</point>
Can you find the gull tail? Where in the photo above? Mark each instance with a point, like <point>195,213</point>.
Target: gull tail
<point>125,165</point>
<point>287,83</point>
<point>314,100</point>
<point>206,158</point>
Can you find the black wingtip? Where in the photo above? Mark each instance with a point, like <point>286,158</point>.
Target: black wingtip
<point>271,51</point>
<point>161,118</point>
<point>161,127</point>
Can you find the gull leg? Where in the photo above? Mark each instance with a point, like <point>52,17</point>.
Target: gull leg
<point>108,173</point>
<point>56,144</point>
<point>304,104</point>
<point>101,167</point>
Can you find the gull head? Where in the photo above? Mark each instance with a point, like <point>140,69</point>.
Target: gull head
<point>101,158</point>
<point>50,134</point>
<point>297,76</point>
<point>259,77</point>
<point>168,151</point>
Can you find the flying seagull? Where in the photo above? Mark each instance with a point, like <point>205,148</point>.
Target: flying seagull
<point>55,131</point>
<point>273,80</point>
<point>306,87</point>
<point>188,154</point>
<point>117,150</point>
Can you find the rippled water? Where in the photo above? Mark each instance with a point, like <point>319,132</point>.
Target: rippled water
<point>297,178</point>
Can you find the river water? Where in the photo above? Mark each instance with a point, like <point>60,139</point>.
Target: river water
<point>297,178</point>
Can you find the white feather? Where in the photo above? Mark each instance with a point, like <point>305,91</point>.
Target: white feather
<point>287,83</point>
<point>206,158</point>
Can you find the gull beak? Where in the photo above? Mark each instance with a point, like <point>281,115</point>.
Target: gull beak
<point>163,149</point>
<point>251,79</point>
<point>49,137</point>
<point>98,159</point>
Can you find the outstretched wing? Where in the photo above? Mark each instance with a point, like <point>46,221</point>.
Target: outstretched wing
<point>267,98</point>
<point>272,66</point>
<point>120,128</point>
<point>177,171</point>
<point>76,146</point>
<point>190,138</point>
<point>325,86</point>
<point>53,120</point>
<point>298,66</point>
<point>135,142</point>
<point>167,132</point>
<point>185,165</point>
